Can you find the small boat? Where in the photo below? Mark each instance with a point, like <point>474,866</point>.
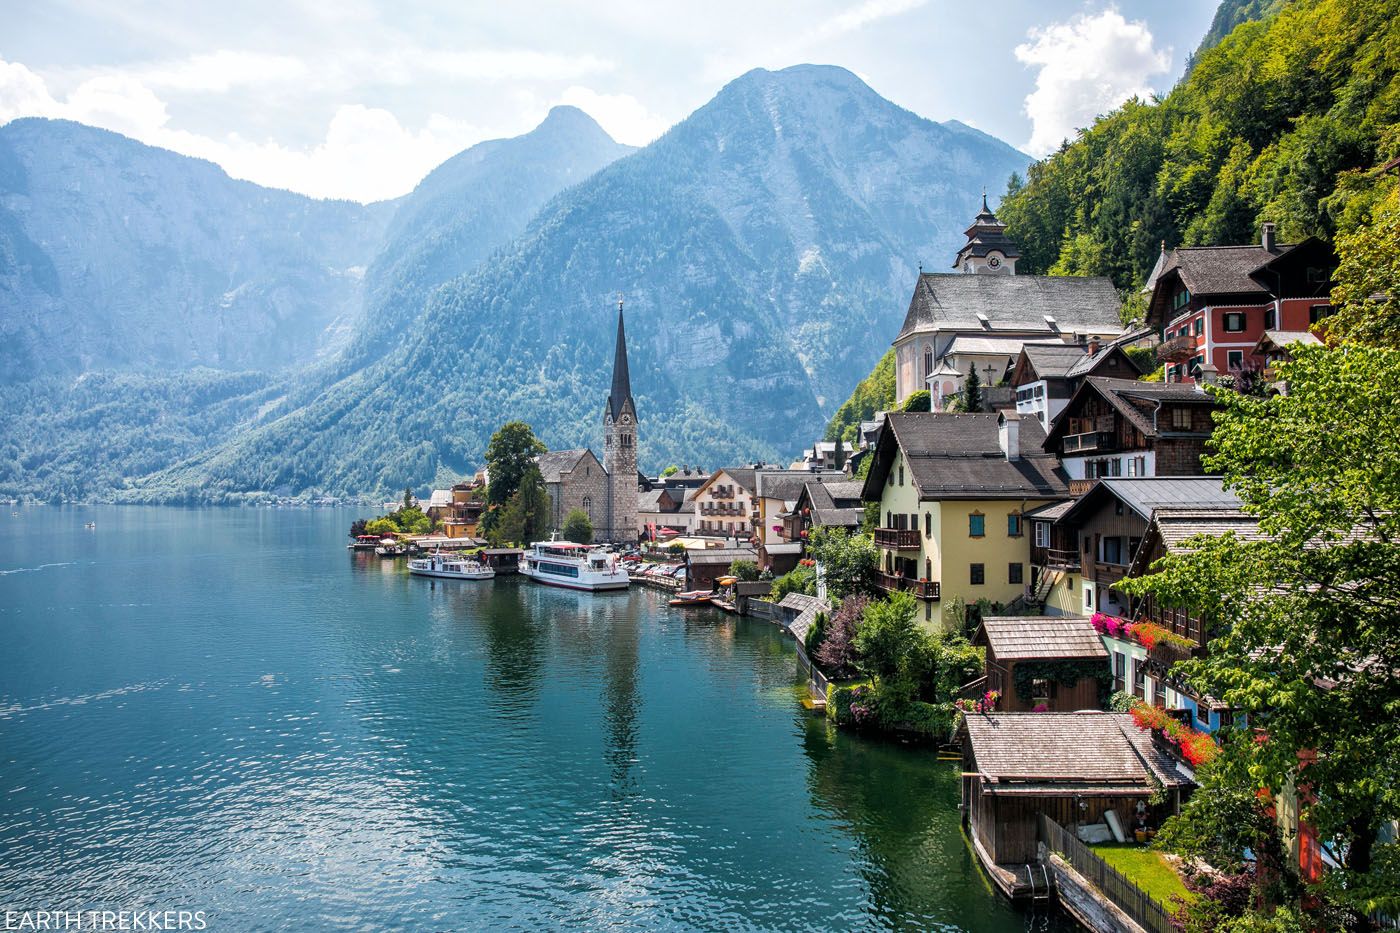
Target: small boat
<point>574,566</point>
<point>692,598</point>
<point>390,547</point>
<point>90,525</point>
<point>450,567</point>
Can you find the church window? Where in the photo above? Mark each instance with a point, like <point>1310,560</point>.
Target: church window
<point>588,507</point>
<point>928,361</point>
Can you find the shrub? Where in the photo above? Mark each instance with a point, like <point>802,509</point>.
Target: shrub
<point>744,570</point>
<point>799,579</point>
<point>835,651</point>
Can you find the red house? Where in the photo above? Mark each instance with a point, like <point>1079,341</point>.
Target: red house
<point>1214,303</point>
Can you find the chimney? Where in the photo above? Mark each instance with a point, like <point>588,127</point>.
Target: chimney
<point>1093,346</point>
<point>1267,239</point>
<point>1009,434</point>
<point>1207,374</point>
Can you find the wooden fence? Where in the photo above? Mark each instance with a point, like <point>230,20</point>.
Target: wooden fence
<point>1128,897</point>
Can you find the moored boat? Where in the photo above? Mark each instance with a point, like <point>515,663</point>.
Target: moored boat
<point>692,598</point>
<point>574,566</point>
<point>450,567</point>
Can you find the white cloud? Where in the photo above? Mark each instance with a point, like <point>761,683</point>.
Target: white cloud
<point>863,15</point>
<point>1088,66</point>
<point>625,118</point>
<point>224,70</point>
<point>367,154</point>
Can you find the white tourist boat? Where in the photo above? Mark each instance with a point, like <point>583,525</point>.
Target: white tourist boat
<point>450,567</point>
<point>574,566</point>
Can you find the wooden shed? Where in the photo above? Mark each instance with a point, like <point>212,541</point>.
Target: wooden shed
<point>1055,662</point>
<point>1073,767</point>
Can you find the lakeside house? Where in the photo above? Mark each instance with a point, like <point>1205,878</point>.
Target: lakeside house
<point>724,502</point>
<point>458,510</point>
<point>661,509</point>
<point>1122,427</point>
<point>823,505</point>
<point>952,492</point>
<point>1214,303</point>
<point>1073,767</point>
<point>1042,663</point>
<point>981,316</point>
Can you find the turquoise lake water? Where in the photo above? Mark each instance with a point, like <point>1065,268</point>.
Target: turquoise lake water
<point>224,710</point>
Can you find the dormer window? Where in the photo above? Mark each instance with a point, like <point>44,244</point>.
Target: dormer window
<point>982,319</point>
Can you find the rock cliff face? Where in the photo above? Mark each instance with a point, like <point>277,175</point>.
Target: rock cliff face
<point>118,256</point>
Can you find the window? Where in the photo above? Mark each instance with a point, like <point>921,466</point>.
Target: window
<point>1042,691</point>
<point>1014,573</point>
<point>1088,597</point>
<point>1013,525</point>
<point>1318,312</point>
<point>1270,318</point>
<point>976,525</point>
<point>928,361</point>
<point>1042,534</point>
<point>1181,418</point>
<point>1234,359</point>
<point>1203,715</point>
<point>1199,326</point>
<point>1139,677</point>
<point>1120,670</point>
<point>901,474</point>
<point>1234,322</point>
<point>978,574</point>
<point>1133,466</point>
<point>928,524</point>
<point>588,507</point>
<point>1180,299</point>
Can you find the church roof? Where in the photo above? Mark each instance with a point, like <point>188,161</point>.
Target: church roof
<point>1040,304</point>
<point>621,395</point>
<point>556,462</point>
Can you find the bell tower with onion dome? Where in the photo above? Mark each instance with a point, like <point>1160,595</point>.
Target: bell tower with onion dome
<point>620,447</point>
<point>988,249</point>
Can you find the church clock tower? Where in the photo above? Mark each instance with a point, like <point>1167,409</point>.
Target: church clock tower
<point>988,249</point>
<point>620,447</point>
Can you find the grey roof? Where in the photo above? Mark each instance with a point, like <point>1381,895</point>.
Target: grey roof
<point>987,233</point>
<point>1041,637</point>
<point>837,518</point>
<point>1220,270</point>
<point>650,501</point>
<point>952,301</point>
<point>555,462</point>
<point>1050,512</point>
<point>975,343</point>
<point>1145,494</point>
<point>1085,747</point>
<point>843,494</point>
<point>439,498</point>
<point>721,555</point>
<point>806,609</point>
<point>1053,360</point>
<point>959,456</point>
<point>1092,361</point>
<point>744,476</point>
<point>787,484</point>
<point>1282,338</point>
<point>1174,526</point>
<point>1135,400</point>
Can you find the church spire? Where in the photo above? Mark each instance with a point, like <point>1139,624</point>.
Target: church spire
<point>621,395</point>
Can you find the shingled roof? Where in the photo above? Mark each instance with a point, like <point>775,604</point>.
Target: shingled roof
<point>959,456</point>
<point>1173,527</point>
<point>1145,495</point>
<point>1014,638</point>
<point>1012,303</point>
<point>1220,270</point>
<point>1052,360</point>
<point>1088,748</point>
<point>1136,401</point>
<point>556,462</point>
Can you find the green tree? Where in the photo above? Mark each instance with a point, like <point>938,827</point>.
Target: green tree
<point>799,579</point>
<point>510,454</point>
<point>847,561</point>
<point>970,398</point>
<point>671,470</point>
<point>889,641</point>
<point>525,517</point>
<point>577,527</point>
<point>1367,296</point>
<point>919,401</point>
<point>1304,616</point>
<point>744,570</point>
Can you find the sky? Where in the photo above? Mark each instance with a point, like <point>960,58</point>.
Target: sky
<point>359,99</point>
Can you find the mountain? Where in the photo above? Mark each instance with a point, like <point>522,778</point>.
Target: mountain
<point>1284,119</point>
<point>115,255</point>
<point>191,307</point>
<point>466,208</point>
<point>1232,13</point>
<point>764,247</point>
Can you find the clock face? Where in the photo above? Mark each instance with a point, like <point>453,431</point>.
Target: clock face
<point>625,420</point>
<point>994,262</point>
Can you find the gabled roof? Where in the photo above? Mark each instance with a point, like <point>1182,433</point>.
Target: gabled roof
<point>1067,748</point>
<point>656,500</point>
<point>1219,270</point>
<point>743,477</point>
<point>806,607</point>
<point>832,495</point>
<point>1144,495</point>
<point>1136,401</point>
<point>1282,339</point>
<point>1047,360</point>
<point>1040,637</point>
<point>1109,357</point>
<point>556,462</point>
<point>959,456</point>
<point>720,555</point>
<point>1172,527</point>
<point>953,301</point>
<point>787,484</point>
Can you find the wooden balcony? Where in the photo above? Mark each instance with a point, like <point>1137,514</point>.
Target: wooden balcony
<point>1057,559</point>
<point>1176,350</point>
<point>1093,441</point>
<point>1078,487</point>
<point>897,539</point>
<point>922,589</point>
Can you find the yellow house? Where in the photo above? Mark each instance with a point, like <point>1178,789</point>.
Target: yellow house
<point>953,490</point>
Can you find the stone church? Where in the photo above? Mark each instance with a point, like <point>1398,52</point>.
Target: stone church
<point>605,490</point>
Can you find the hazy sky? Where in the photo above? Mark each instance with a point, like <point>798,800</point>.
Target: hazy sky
<point>359,99</point>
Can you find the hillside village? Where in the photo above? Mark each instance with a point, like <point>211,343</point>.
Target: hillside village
<point>1007,521</point>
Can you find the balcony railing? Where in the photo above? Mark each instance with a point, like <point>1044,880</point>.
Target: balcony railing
<point>1092,441</point>
<point>922,589</point>
<point>1078,487</point>
<point>899,539</point>
<point>1176,350</point>
<point>1057,559</point>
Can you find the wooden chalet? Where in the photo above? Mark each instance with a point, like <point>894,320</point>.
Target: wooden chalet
<point>1072,767</point>
<point>1033,646</point>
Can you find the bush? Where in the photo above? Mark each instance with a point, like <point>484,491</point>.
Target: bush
<point>816,634</point>
<point>797,580</point>
<point>835,651</point>
<point>1122,702</point>
<point>919,401</point>
<point>578,528</point>
<point>744,570</point>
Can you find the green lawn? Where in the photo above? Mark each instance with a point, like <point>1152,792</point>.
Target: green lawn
<point>1147,869</point>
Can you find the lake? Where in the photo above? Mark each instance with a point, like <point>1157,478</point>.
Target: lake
<point>224,710</point>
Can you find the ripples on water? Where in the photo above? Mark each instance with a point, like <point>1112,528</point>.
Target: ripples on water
<point>223,710</point>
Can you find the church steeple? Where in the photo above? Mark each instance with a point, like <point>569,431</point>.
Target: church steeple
<point>988,248</point>
<point>621,395</point>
